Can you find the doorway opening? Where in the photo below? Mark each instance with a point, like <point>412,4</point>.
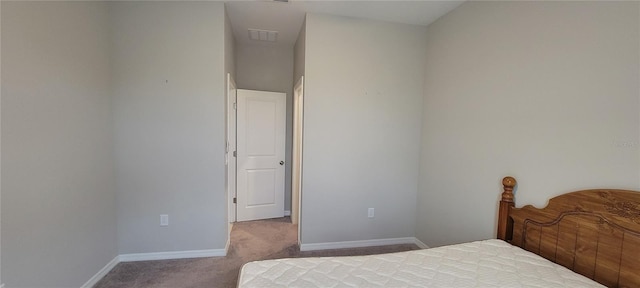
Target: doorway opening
<point>256,159</point>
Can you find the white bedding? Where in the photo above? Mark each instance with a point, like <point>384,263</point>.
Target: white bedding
<point>489,263</point>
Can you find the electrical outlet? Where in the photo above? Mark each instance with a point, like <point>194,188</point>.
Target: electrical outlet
<point>164,220</point>
<point>370,213</point>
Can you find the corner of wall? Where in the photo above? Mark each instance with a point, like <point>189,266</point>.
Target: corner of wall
<point>100,274</point>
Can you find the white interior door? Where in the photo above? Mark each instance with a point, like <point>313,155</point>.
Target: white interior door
<point>261,121</point>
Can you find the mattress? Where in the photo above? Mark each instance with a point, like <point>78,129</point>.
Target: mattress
<point>489,263</point>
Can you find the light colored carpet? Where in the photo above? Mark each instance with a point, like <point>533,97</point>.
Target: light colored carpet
<point>250,241</point>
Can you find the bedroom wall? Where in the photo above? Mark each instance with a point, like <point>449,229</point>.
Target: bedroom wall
<point>267,67</point>
<point>544,91</point>
<point>229,48</point>
<point>169,105</point>
<point>363,102</point>
<point>298,54</point>
<point>58,186</point>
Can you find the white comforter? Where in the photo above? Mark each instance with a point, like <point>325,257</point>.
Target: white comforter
<point>489,263</point>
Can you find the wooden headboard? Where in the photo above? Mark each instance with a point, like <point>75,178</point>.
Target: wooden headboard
<point>595,233</point>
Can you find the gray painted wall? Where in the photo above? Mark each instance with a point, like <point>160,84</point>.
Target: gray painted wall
<point>299,53</point>
<point>58,188</point>
<point>168,61</point>
<point>543,91</point>
<point>229,48</point>
<point>363,103</point>
<point>270,68</point>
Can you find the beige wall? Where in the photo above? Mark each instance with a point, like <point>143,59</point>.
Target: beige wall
<point>270,68</point>
<point>169,107</point>
<point>543,91</point>
<point>363,102</point>
<point>58,187</point>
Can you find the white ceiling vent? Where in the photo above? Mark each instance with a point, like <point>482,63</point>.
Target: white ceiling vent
<point>263,35</point>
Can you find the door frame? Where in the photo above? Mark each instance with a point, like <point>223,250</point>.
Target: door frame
<point>231,148</point>
<point>296,159</point>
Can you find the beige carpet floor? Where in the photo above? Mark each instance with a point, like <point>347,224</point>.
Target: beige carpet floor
<point>250,241</point>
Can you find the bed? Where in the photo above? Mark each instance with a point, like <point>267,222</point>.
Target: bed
<point>588,238</point>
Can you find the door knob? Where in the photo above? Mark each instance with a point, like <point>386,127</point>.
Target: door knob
<point>281,162</point>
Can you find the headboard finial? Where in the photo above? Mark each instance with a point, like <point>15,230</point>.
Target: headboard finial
<point>508,183</point>
<point>505,223</point>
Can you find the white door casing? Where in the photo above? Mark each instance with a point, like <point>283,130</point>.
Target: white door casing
<point>296,185</point>
<point>231,147</point>
<point>261,122</point>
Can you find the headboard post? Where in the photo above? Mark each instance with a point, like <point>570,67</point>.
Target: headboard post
<point>505,223</point>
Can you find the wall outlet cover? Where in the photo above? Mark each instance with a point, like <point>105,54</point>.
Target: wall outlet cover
<point>164,220</point>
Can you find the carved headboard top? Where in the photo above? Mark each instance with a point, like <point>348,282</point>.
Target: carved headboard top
<point>620,207</point>
<point>593,232</point>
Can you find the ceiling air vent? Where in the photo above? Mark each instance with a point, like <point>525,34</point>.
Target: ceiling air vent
<point>263,35</point>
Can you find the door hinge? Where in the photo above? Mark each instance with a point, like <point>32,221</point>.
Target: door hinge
<point>235,200</point>
<point>235,106</point>
<point>235,153</point>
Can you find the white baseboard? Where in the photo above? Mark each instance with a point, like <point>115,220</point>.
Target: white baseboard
<point>152,256</point>
<point>98,275</point>
<point>356,244</point>
<point>286,213</point>
<point>421,244</point>
<point>223,252</point>
<point>172,255</point>
<point>226,247</point>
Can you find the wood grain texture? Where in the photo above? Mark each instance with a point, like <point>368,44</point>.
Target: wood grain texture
<point>505,223</point>
<point>595,233</point>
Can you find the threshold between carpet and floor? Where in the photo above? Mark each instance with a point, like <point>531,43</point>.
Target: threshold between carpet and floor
<point>250,241</point>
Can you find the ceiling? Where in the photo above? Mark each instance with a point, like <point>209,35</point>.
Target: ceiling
<point>287,17</point>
